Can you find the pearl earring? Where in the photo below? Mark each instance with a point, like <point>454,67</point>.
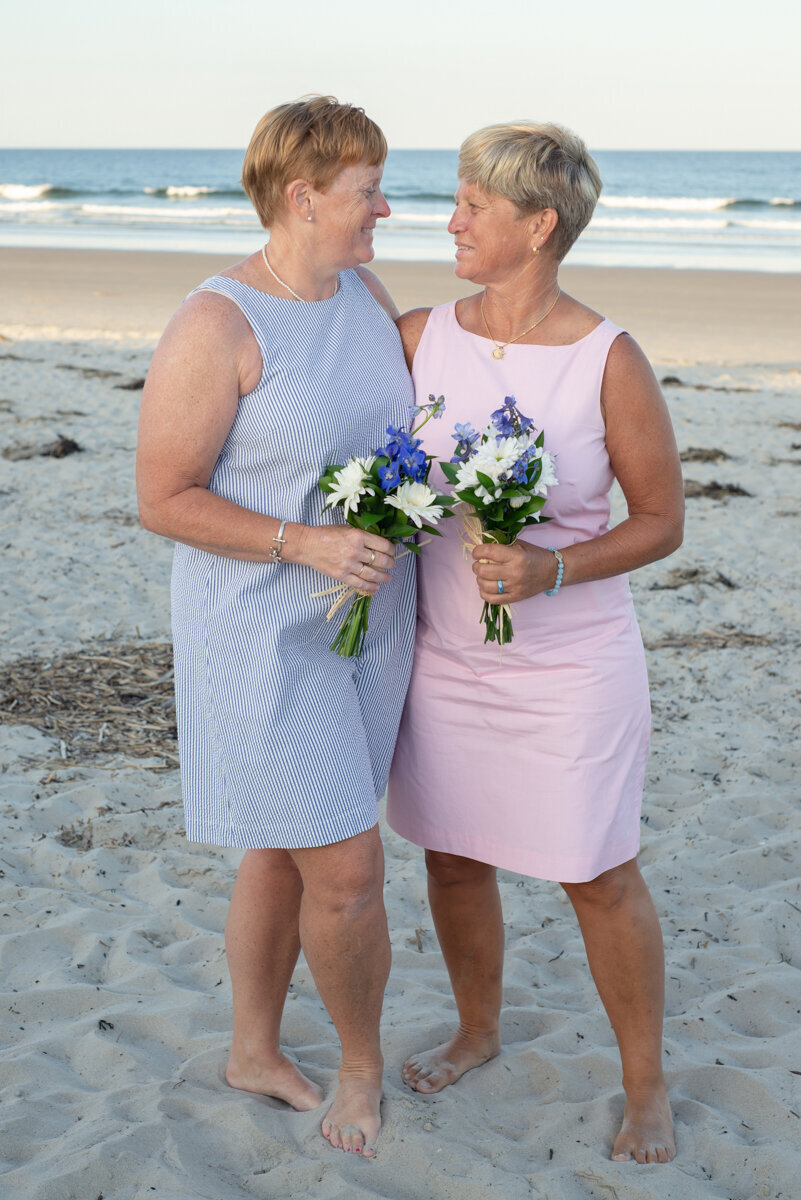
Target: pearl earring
<point>309,217</point>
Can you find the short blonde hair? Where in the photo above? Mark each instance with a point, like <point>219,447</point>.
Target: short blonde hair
<point>312,138</point>
<point>536,167</point>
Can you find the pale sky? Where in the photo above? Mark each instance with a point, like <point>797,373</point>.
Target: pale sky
<point>625,74</point>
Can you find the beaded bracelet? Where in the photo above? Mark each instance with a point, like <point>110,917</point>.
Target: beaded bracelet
<point>275,551</point>
<point>560,570</point>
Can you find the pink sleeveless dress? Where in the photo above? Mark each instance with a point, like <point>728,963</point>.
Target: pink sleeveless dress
<point>534,762</point>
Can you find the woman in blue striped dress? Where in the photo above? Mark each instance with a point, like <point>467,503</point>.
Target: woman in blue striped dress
<point>272,370</point>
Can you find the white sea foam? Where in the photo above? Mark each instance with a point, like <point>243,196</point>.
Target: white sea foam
<point>179,193</point>
<point>171,215</point>
<point>670,203</point>
<point>23,191</point>
<point>417,218</point>
<point>791,227</point>
<point>660,223</point>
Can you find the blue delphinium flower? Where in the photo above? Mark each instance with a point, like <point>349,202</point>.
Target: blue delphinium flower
<point>389,476</point>
<point>503,418</point>
<point>394,441</point>
<point>412,461</point>
<point>508,421</point>
<point>465,436</point>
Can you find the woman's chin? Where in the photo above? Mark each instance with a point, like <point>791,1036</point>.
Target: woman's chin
<point>462,269</point>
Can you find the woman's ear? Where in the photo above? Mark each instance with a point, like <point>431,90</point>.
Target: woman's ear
<point>299,199</point>
<point>542,226</point>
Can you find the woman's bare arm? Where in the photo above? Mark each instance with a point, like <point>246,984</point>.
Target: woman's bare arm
<point>206,359</point>
<point>642,451</point>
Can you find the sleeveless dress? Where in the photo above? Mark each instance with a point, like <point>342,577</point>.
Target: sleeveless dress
<point>533,760</point>
<point>283,743</point>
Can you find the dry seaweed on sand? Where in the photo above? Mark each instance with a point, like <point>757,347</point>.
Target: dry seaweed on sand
<point>60,448</point>
<point>711,639</point>
<point>681,576</point>
<point>109,700</point>
<point>697,454</point>
<point>712,491</point>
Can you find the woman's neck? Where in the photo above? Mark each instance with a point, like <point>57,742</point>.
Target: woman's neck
<point>292,269</point>
<point>512,303</point>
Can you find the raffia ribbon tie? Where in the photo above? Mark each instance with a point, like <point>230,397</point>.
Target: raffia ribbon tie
<point>344,592</point>
<point>474,534</point>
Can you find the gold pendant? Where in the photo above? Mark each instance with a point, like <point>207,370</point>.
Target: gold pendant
<point>498,352</point>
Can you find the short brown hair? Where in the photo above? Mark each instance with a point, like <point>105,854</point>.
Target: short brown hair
<point>536,167</point>
<point>312,138</point>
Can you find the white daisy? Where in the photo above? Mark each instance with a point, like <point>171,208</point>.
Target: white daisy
<point>351,484</point>
<point>417,501</point>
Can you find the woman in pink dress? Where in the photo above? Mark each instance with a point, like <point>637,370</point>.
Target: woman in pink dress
<point>534,760</point>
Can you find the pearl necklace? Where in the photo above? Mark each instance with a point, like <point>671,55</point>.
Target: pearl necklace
<point>501,346</point>
<point>291,291</point>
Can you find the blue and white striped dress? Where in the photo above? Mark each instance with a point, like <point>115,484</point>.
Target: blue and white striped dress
<point>282,743</point>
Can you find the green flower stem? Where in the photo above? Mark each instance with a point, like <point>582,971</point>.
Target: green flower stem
<point>350,638</point>
<point>497,624</point>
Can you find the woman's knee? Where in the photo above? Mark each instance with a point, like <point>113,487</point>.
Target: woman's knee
<point>449,869</point>
<point>346,878</point>
<point>609,889</point>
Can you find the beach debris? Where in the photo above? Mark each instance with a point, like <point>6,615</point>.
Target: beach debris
<point>104,1024</point>
<point>88,372</point>
<point>132,385</point>
<point>60,448</point>
<point>123,689</point>
<point>694,454</point>
<point>681,576</point>
<point>711,639</point>
<point>79,836</point>
<point>712,491</point>
<point>674,381</point>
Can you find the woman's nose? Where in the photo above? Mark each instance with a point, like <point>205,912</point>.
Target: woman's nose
<point>455,223</point>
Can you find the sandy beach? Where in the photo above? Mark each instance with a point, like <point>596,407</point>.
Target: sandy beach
<point>116,999</point>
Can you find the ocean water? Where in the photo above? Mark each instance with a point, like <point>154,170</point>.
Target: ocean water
<point>698,209</point>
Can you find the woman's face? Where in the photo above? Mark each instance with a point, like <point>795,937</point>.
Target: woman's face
<point>492,240</point>
<point>347,213</point>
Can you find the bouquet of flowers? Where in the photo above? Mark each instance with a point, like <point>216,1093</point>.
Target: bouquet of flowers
<point>388,494</point>
<point>501,476</point>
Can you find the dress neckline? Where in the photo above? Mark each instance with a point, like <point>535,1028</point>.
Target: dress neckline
<point>517,345</point>
<point>286,299</point>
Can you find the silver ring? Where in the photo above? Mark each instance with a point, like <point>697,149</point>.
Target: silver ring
<point>500,587</point>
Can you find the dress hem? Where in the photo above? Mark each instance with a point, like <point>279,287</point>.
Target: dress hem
<point>238,839</point>
<point>522,862</point>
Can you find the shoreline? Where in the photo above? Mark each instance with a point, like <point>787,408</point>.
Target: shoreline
<point>678,316</point>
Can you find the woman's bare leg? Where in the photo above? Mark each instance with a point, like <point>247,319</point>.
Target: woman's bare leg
<point>624,948</point>
<point>343,929</point>
<point>466,907</point>
<point>262,945</point>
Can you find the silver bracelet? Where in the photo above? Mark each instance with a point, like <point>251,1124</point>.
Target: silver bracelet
<point>275,551</point>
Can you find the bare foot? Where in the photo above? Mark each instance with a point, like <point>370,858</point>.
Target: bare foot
<point>432,1070</point>
<point>646,1135</point>
<point>279,1078</point>
<point>354,1119</point>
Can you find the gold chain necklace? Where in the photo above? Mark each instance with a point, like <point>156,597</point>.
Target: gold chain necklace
<point>278,279</point>
<point>501,346</point>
